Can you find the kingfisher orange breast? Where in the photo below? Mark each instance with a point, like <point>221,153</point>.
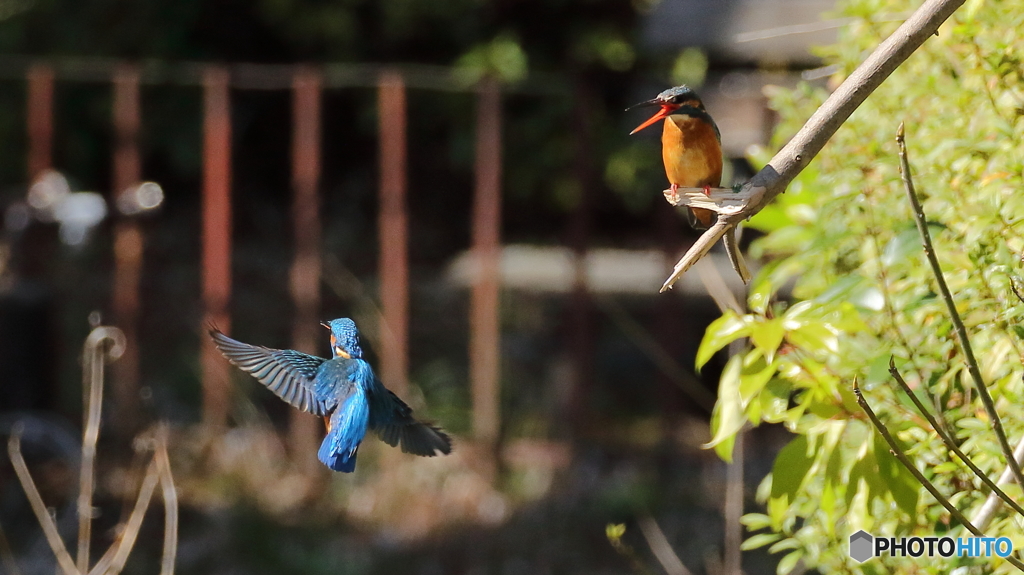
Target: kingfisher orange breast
<point>691,151</point>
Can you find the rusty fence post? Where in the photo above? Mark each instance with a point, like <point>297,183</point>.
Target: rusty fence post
<point>128,249</point>
<point>484,338</point>
<point>216,240</point>
<point>305,270</point>
<point>394,233</point>
<point>39,101</point>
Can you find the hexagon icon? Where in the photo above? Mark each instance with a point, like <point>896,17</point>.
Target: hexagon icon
<point>861,546</point>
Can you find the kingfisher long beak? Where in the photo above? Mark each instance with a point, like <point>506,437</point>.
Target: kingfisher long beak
<point>661,115</point>
<point>325,324</point>
<point>652,102</point>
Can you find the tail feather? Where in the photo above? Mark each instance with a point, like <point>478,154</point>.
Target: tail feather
<point>344,460</point>
<point>417,438</point>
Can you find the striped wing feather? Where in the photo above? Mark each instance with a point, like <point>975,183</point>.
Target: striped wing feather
<point>289,374</point>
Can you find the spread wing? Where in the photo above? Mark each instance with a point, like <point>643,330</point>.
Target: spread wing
<point>392,419</point>
<point>289,374</point>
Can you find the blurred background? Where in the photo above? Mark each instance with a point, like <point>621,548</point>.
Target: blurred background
<point>455,176</point>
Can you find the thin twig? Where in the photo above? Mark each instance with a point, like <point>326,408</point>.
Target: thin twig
<point>883,280</point>
<point>92,391</point>
<point>660,546</point>
<point>805,145</point>
<point>950,444</point>
<point>170,496</point>
<point>958,324</point>
<point>898,452</point>
<point>38,507</point>
<point>114,559</point>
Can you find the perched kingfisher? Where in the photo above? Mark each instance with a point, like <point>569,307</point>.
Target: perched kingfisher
<point>343,390</point>
<point>691,145</point>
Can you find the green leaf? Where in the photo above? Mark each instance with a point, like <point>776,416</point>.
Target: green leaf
<point>815,338</point>
<point>767,336</point>
<point>902,485</point>
<point>753,380</point>
<point>790,469</point>
<point>615,531</point>
<point>774,400</point>
<point>788,563</point>
<point>719,334</point>
<point>755,521</point>
<point>727,417</point>
<point>907,244</point>
<point>760,540</point>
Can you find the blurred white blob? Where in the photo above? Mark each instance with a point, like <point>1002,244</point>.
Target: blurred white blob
<point>50,199</point>
<point>46,193</point>
<point>78,214</point>
<point>140,198</point>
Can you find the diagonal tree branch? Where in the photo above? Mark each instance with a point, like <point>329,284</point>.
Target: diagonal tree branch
<point>949,442</point>
<point>895,448</point>
<point>954,316</point>
<point>805,145</point>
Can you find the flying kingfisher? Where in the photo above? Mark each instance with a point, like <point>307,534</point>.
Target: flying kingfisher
<point>343,390</point>
<point>691,147</point>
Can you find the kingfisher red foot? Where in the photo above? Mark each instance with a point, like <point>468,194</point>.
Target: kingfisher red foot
<point>691,145</point>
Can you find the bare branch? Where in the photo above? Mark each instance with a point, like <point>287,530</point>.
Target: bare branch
<point>958,324</point>
<point>898,452</point>
<point>948,441</point>
<point>805,145</point>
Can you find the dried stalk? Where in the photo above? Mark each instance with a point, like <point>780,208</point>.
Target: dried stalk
<point>170,495</point>
<point>64,560</point>
<point>114,559</point>
<point>92,390</point>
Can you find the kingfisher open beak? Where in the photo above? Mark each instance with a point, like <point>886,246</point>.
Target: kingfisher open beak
<point>663,113</point>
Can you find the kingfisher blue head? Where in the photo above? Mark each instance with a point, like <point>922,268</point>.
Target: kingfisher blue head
<point>344,338</point>
<point>670,100</point>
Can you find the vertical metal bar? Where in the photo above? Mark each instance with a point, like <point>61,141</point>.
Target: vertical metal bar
<point>305,271</point>
<point>216,254</point>
<point>393,226</point>
<point>484,356</point>
<point>128,249</point>
<point>40,119</point>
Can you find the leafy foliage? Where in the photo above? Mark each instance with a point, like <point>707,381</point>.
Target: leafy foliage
<point>843,243</point>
